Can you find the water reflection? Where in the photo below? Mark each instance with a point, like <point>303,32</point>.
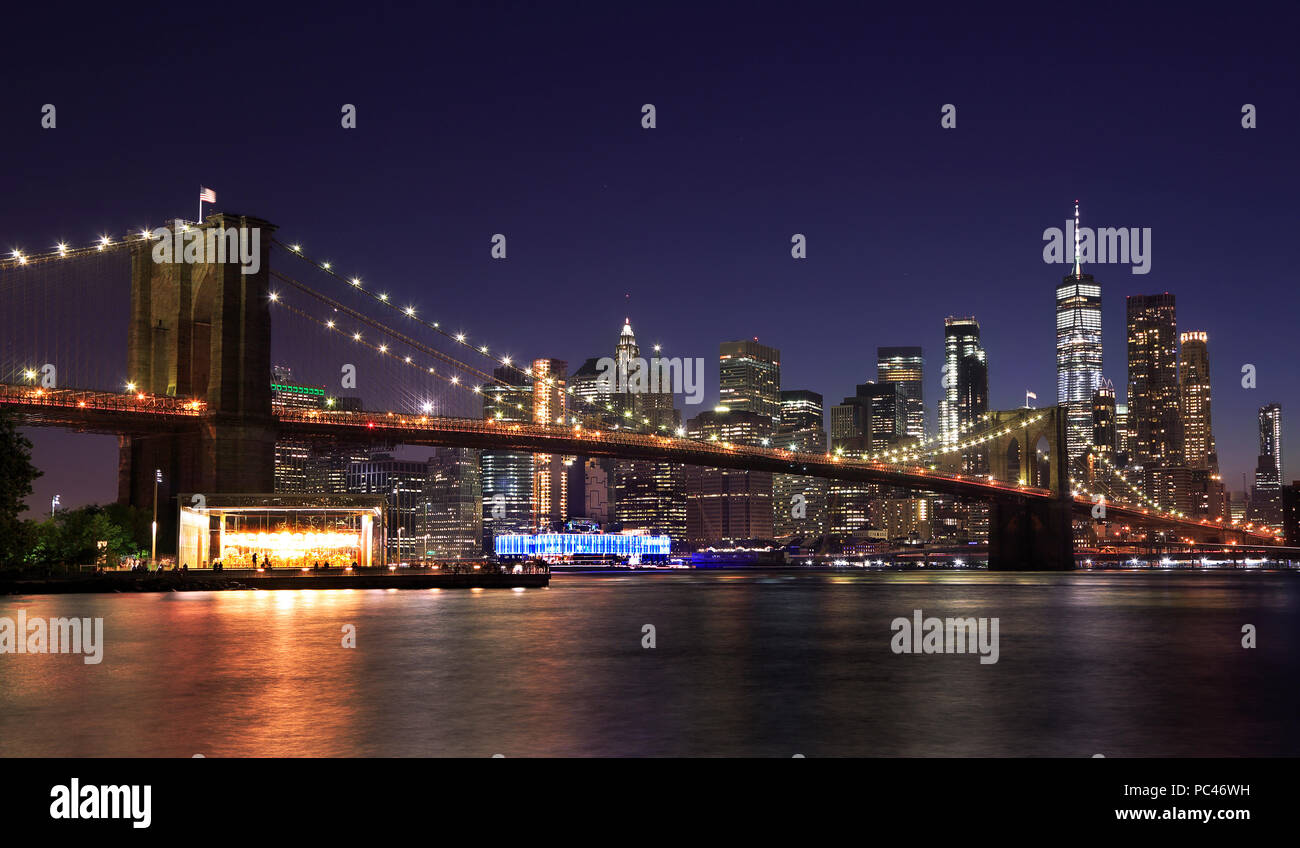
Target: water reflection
<point>1125,664</point>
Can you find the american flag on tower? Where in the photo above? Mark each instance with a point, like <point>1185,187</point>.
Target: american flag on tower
<point>207,195</point>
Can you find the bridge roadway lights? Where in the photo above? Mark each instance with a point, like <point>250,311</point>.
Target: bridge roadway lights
<point>1030,535</point>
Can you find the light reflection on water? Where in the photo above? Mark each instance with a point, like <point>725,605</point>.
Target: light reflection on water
<point>755,663</point>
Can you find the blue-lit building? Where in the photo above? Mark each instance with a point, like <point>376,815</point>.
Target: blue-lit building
<point>584,546</point>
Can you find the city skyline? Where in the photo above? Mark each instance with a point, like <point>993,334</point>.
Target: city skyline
<point>694,218</point>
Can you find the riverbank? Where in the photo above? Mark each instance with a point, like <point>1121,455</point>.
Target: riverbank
<point>244,581</point>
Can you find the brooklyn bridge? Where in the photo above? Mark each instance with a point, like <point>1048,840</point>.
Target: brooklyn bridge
<point>174,358</point>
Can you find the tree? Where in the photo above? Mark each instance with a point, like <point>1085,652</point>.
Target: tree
<point>16,476</point>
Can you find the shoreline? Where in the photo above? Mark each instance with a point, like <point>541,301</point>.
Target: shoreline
<point>127,582</point>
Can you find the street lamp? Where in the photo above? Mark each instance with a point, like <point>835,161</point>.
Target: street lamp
<point>153,552</point>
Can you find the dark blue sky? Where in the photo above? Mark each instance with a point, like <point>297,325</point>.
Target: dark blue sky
<point>475,119</point>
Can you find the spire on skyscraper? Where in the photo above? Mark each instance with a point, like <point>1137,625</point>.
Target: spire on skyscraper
<point>1076,237</point>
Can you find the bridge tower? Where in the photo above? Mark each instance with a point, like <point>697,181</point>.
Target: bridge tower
<point>202,330</point>
<point>1031,534</point>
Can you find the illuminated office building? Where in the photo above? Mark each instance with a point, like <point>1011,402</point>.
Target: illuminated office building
<point>965,378</point>
<point>749,380</point>
<point>727,505</point>
<point>294,458</point>
<point>550,471</point>
<point>1104,436</point>
<point>1078,350</point>
<point>906,367</point>
<point>798,502</point>
<point>1266,496</point>
<point>1153,408</point>
<point>1194,379</point>
<point>507,476</point>
<point>402,483</point>
<point>449,518</point>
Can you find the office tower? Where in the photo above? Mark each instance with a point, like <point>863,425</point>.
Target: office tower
<point>1104,436</point>
<point>1194,379</point>
<point>641,495</point>
<point>588,396</point>
<point>1153,380</point>
<point>507,476</point>
<point>1123,435</point>
<point>798,502</point>
<point>886,406</point>
<point>1078,350</point>
<point>550,471</point>
<point>294,458</point>
<point>905,366</point>
<point>1266,496</point>
<point>403,483</point>
<point>1291,514</point>
<point>965,378</point>
<point>725,505</point>
<point>848,503</point>
<point>966,399</point>
<point>451,527</point>
<point>1270,436</point>
<point>749,379</point>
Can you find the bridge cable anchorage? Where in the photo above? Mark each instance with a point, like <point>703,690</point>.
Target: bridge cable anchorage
<point>355,284</point>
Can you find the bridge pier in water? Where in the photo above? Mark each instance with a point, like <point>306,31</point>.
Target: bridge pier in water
<point>1030,535</point>
<point>203,330</point>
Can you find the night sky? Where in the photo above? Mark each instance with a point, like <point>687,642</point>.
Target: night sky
<point>475,119</point>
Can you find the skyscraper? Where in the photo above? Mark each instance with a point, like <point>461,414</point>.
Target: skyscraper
<point>965,377</point>
<point>550,477</point>
<point>1270,435</point>
<point>799,503</point>
<point>1194,378</point>
<point>507,476</point>
<point>725,504</point>
<point>1153,409</point>
<point>905,366</point>
<point>1104,439</point>
<point>1078,350</point>
<point>749,379</point>
<point>966,399</point>
<point>403,483</point>
<point>644,494</point>
<point>1266,496</point>
<point>451,526</point>
<point>294,469</point>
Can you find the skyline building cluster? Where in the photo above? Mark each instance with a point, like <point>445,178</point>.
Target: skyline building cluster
<point>1159,443</point>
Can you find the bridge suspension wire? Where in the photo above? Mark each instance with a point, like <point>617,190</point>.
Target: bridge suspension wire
<point>384,351</point>
<point>381,327</point>
<point>460,339</point>
<point>912,453</point>
<point>1142,497</point>
<point>411,313</point>
<point>65,319</point>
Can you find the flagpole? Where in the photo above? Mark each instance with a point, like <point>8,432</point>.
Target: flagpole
<point>200,204</point>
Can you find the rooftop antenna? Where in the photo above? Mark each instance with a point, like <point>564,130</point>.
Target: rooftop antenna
<point>1076,237</point>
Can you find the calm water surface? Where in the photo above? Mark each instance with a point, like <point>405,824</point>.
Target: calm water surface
<point>757,663</point>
